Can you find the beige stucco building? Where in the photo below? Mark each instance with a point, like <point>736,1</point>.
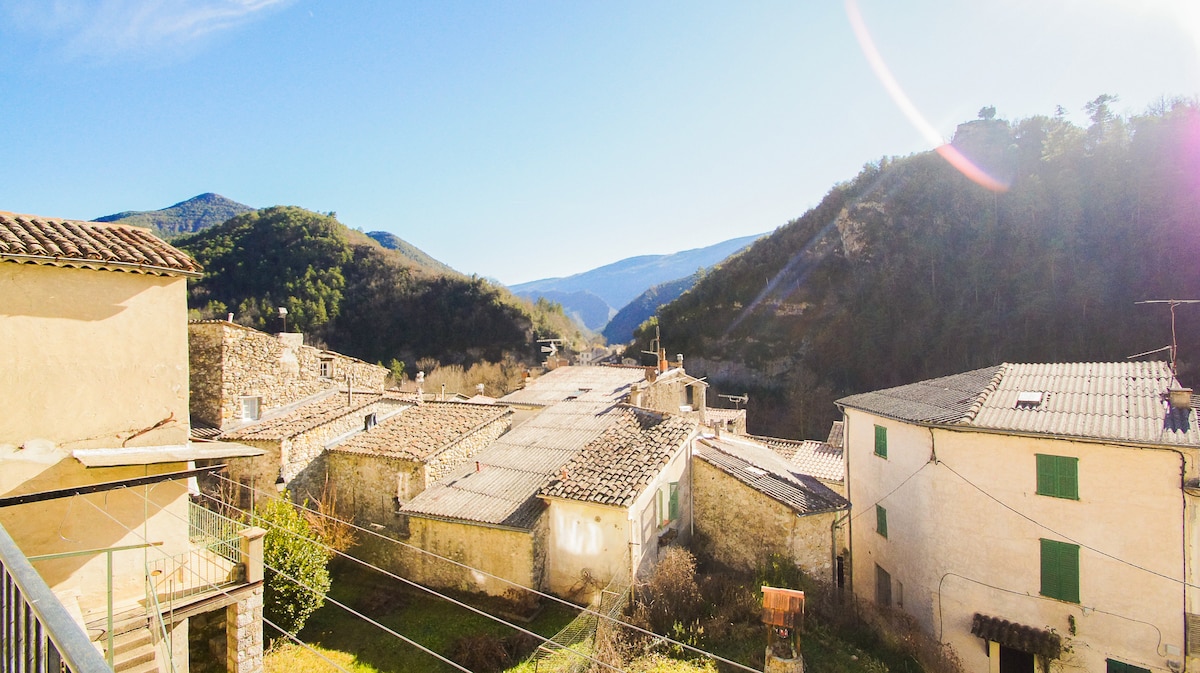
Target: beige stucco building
<point>1033,516</point>
<point>93,343</point>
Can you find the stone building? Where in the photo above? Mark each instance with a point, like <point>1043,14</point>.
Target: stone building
<point>750,503</point>
<point>240,375</point>
<point>821,459</point>
<point>93,345</point>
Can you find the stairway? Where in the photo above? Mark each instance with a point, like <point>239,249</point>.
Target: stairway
<point>133,642</point>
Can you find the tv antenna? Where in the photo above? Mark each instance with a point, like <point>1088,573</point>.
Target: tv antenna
<point>738,400</point>
<point>1174,346</point>
<point>656,344</point>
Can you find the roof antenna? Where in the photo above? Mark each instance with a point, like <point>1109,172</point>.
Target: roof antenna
<point>738,400</point>
<point>655,343</point>
<point>1174,342</point>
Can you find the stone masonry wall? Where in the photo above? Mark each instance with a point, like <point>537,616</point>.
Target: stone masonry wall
<point>368,486</point>
<point>244,634</point>
<point>445,462</point>
<point>300,452</point>
<point>741,526</point>
<point>253,363</point>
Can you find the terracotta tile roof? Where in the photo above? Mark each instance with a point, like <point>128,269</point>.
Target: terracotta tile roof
<point>613,468</point>
<point>305,417</point>
<point>503,491</point>
<point>1108,401</point>
<point>423,430</point>
<point>92,245</point>
<point>601,383</point>
<point>802,493</point>
<point>808,456</point>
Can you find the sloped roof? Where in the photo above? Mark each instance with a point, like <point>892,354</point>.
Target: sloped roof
<point>502,491</point>
<point>422,430</point>
<point>92,245</point>
<point>756,466</point>
<point>614,468</point>
<point>809,456</point>
<point>325,409</point>
<point>600,383</point>
<point>943,400</point>
<point>1110,401</point>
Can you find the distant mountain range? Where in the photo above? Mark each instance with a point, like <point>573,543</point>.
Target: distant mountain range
<point>617,284</point>
<point>409,251</point>
<point>186,217</point>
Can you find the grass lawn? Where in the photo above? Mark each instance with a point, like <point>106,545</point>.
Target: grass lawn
<point>361,647</point>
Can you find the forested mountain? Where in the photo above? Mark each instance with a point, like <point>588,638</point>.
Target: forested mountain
<point>409,251</point>
<point>621,282</point>
<point>341,287</point>
<point>620,329</point>
<point>195,214</point>
<point>911,270</point>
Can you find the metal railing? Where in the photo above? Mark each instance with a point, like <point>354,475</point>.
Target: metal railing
<point>212,562</point>
<point>37,634</point>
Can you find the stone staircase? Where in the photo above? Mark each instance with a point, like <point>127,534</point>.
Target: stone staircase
<point>133,642</point>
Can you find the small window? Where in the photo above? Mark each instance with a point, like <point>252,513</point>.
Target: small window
<point>1058,476</point>
<point>326,369</point>
<point>1030,399</point>
<point>1060,570</point>
<point>1115,666</point>
<point>899,594</point>
<point>883,587</point>
<point>881,520</point>
<point>369,421</point>
<point>251,408</point>
<point>668,504</point>
<point>881,441</point>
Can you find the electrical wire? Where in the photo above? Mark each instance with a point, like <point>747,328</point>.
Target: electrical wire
<point>325,596</point>
<point>885,496</point>
<point>550,597</point>
<point>1064,536</point>
<point>212,586</point>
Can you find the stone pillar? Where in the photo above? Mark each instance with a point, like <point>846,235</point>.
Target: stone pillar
<point>244,634</point>
<point>775,664</point>
<point>252,553</point>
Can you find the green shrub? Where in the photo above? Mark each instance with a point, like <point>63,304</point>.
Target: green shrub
<point>296,565</point>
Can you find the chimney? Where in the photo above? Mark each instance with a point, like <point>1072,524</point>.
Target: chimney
<point>1180,398</point>
<point>479,388</point>
<point>228,317</point>
<point>651,374</point>
<point>662,360</point>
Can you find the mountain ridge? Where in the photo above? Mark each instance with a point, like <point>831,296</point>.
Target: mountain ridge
<point>189,216</point>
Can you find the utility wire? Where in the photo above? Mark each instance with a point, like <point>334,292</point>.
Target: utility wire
<point>550,597</point>
<point>1064,536</point>
<point>409,582</point>
<point>885,496</point>
<point>212,586</point>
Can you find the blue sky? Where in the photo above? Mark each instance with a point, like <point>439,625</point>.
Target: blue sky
<point>521,140</point>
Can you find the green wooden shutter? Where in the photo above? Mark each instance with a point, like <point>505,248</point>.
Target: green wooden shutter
<point>1115,666</point>
<point>881,520</point>
<point>673,509</point>
<point>881,441</point>
<point>1060,570</point>
<point>1058,476</point>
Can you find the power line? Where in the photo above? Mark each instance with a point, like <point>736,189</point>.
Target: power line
<point>885,496</point>
<point>1064,536</point>
<point>550,597</point>
<point>214,587</point>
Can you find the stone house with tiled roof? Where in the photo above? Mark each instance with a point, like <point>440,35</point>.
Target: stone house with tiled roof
<point>820,459</point>
<point>1033,516</point>
<point>93,345</point>
<point>751,503</point>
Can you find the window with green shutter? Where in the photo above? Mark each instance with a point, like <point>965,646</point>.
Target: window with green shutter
<point>881,520</point>
<point>1060,570</point>
<point>1058,476</point>
<point>881,441</point>
<point>673,501</point>
<point>1115,666</point>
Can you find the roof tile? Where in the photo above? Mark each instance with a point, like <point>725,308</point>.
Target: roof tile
<point>96,245</point>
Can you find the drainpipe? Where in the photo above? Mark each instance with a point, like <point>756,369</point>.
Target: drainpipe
<point>849,522</point>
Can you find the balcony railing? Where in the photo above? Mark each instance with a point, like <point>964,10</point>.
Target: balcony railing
<point>212,562</point>
<point>37,635</point>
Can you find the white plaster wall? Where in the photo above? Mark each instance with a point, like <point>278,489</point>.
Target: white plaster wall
<point>959,551</point>
<point>585,536</point>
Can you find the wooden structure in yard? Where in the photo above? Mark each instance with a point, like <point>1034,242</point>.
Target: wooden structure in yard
<point>783,613</point>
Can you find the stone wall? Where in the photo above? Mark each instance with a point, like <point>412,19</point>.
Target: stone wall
<point>742,527</point>
<point>445,462</point>
<point>229,361</point>
<point>244,634</point>
<point>368,486</point>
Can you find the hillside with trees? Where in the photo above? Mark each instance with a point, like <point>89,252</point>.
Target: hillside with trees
<point>343,289</point>
<point>911,270</point>
<point>195,214</point>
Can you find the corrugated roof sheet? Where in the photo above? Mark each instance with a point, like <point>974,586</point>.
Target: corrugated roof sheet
<point>599,383</point>
<point>615,467</point>
<point>809,456</point>
<point>1112,401</point>
<point>754,467</point>
<point>423,430</point>
<point>92,245</point>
